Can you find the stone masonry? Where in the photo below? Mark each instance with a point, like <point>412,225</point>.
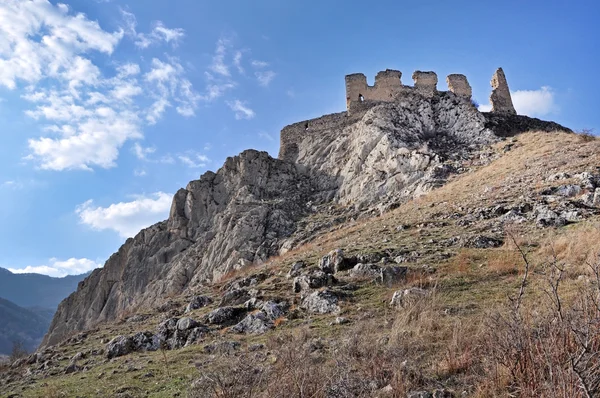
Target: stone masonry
<point>500,97</point>
<point>459,85</point>
<point>425,82</point>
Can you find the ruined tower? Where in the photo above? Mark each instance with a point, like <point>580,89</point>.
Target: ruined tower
<point>500,97</point>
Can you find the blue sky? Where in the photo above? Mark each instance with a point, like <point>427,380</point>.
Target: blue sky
<point>109,106</point>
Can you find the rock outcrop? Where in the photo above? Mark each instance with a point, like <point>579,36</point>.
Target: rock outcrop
<point>249,209</point>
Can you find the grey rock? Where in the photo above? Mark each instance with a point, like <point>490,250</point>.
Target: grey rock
<point>321,302</point>
<point>314,280</point>
<point>196,334</point>
<point>335,261</point>
<point>225,315</point>
<point>274,310</point>
<point>254,324</point>
<point>187,324</point>
<point>392,275</point>
<point>119,346</point>
<point>198,302</point>
<point>145,341</point>
<point>234,297</point>
<point>361,270</point>
<point>295,269</point>
<point>72,368</point>
<point>568,191</point>
<point>482,242</point>
<point>545,217</point>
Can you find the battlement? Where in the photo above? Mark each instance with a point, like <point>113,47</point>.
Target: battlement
<point>388,87</point>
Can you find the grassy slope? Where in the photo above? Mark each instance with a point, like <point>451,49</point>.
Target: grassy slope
<point>468,282</point>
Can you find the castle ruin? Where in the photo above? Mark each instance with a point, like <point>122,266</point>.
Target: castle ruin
<point>388,87</point>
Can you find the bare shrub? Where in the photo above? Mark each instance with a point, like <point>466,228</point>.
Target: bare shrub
<point>552,349</point>
<point>18,350</point>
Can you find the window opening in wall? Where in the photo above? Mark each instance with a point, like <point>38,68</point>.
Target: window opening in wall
<point>361,98</point>
<point>305,126</point>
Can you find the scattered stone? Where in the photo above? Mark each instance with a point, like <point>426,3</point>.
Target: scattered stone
<point>548,218</point>
<point>234,297</point>
<point>186,323</point>
<point>72,368</point>
<point>137,318</point>
<point>335,261</point>
<point>361,270</point>
<point>321,302</point>
<point>275,310</point>
<point>198,302</point>
<point>296,268</point>
<point>257,323</point>
<point>224,315</point>
<point>482,242</point>
<point>313,280</point>
<point>389,276</point>
<point>256,347</point>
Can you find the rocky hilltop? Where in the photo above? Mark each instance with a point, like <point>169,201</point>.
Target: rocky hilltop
<point>361,163</point>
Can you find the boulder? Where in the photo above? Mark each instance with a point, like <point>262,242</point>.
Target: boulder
<point>186,324</point>
<point>361,270</point>
<point>274,310</point>
<point>254,324</point>
<point>321,302</point>
<point>389,276</point>
<point>335,261</point>
<point>234,297</point>
<point>198,302</point>
<point>145,341</point>
<point>224,316</point>
<point>119,346</point>
<point>313,280</point>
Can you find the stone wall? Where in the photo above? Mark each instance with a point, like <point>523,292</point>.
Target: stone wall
<point>500,97</point>
<point>291,136</point>
<point>425,82</point>
<point>459,85</point>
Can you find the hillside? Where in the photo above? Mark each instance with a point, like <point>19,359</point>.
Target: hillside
<point>412,248</point>
<point>21,325</point>
<point>31,290</point>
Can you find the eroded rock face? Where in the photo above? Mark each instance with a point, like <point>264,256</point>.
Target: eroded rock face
<point>222,221</point>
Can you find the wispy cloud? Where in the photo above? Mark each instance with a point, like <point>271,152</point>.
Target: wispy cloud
<point>194,160</point>
<point>265,77</point>
<point>266,136</point>
<point>242,111</point>
<point>159,33</point>
<point>142,152</point>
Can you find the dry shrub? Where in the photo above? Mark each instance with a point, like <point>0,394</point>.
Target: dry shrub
<point>550,348</point>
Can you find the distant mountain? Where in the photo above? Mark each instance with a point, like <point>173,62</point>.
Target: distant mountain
<point>35,290</point>
<point>22,324</point>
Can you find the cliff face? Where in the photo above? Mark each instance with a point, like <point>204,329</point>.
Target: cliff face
<point>245,212</point>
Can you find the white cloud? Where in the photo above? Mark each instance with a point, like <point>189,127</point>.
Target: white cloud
<point>241,110</point>
<point>194,160</point>
<point>139,173</point>
<point>57,268</point>
<point>265,77</point>
<point>88,116</point>
<point>534,103</point>
<point>142,152</point>
<point>259,64</point>
<point>126,218</point>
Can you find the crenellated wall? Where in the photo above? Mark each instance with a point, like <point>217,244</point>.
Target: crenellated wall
<point>388,87</point>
